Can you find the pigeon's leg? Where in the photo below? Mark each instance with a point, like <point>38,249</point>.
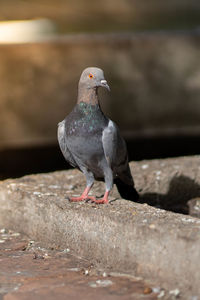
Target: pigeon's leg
<point>90,180</point>
<point>108,175</point>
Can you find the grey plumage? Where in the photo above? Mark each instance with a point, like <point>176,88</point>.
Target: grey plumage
<point>92,143</point>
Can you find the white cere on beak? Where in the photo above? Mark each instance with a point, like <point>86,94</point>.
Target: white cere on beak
<point>105,84</point>
<point>103,81</point>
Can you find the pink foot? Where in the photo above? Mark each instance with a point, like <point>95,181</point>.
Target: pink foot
<point>104,200</point>
<point>83,197</point>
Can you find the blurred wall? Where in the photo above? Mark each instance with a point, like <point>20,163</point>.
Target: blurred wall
<point>106,15</point>
<point>154,80</point>
<point>154,76</point>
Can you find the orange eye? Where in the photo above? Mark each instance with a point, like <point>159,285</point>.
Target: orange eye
<point>90,76</point>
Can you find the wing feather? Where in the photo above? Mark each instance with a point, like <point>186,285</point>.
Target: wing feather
<point>63,144</point>
<point>109,139</point>
<point>116,152</point>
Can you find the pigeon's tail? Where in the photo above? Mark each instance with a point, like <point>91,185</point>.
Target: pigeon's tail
<point>126,191</point>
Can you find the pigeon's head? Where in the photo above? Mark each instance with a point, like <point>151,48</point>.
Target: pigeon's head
<point>92,78</point>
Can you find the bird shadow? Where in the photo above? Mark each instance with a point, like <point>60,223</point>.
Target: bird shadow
<point>181,190</point>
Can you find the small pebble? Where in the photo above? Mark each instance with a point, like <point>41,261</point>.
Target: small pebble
<point>145,166</point>
<point>175,292</point>
<point>37,193</point>
<point>15,234</point>
<point>104,283</point>
<point>152,226</point>
<point>147,290</point>
<point>71,187</point>
<point>67,250</point>
<point>100,283</point>
<point>162,294</point>
<point>74,269</point>
<point>158,173</point>
<point>12,184</point>
<point>156,290</point>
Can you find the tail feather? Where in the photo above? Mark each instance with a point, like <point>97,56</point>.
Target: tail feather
<point>126,191</point>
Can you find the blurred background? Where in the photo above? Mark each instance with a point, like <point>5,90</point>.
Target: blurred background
<point>150,54</point>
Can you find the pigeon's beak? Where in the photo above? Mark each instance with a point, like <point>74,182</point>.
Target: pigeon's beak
<point>105,84</point>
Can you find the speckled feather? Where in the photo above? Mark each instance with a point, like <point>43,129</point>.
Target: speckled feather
<point>85,119</point>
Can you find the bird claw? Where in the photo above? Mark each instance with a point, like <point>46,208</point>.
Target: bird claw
<point>82,198</point>
<point>76,199</point>
<point>85,197</point>
<point>101,201</point>
<point>104,200</point>
<point>93,199</point>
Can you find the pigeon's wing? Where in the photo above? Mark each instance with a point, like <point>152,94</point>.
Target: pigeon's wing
<point>114,146</point>
<point>63,144</point>
<point>109,140</point>
<point>116,152</point>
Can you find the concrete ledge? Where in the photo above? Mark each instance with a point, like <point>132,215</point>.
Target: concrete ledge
<point>123,236</point>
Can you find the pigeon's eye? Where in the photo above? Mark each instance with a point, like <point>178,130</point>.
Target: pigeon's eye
<point>90,76</point>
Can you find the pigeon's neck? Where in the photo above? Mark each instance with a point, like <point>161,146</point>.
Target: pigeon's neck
<point>88,95</point>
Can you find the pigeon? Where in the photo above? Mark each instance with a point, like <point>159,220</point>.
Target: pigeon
<point>92,142</point>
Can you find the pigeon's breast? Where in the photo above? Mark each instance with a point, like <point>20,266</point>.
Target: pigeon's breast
<point>85,120</point>
<point>87,150</point>
<point>84,138</point>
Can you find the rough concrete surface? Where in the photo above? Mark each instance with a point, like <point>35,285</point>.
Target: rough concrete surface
<point>133,238</point>
<point>29,271</point>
